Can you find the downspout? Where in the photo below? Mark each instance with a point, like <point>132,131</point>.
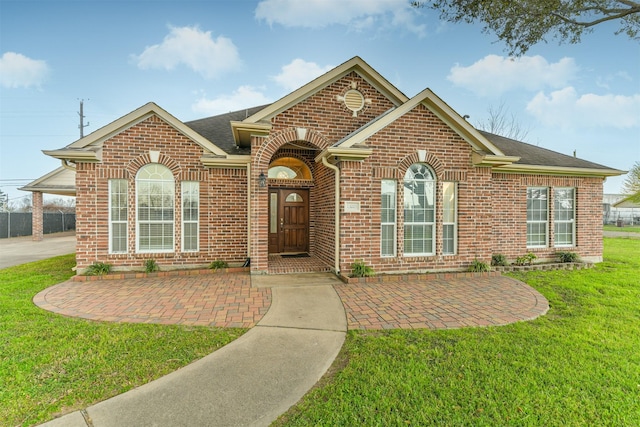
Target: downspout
<point>336,255</point>
<point>66,165</point>
<point>248,210</point>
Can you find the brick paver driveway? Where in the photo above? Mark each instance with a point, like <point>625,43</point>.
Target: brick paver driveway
<point>228,300</point>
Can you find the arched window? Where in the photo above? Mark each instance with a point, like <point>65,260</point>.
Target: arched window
<point>419,210</point>
<point>289,168</point>
<point>155,209</point>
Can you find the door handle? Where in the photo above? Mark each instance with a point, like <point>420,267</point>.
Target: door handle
<point>281,224</point>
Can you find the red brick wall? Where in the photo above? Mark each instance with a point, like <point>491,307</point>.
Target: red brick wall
<point>223,202</point>
<point>491,206</point>
<point>510,218</point>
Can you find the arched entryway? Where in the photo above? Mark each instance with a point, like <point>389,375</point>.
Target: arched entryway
<point>293,211</point>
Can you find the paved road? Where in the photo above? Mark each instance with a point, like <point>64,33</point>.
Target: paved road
<point>20,250</point>
<point>624,234</point>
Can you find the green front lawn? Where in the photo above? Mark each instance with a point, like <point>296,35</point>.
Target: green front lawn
<point>577,366</point>
<point>51,364</point>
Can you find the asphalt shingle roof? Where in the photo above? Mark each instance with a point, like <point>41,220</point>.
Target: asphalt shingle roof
<point>217,129</point>
<point>534,155</point>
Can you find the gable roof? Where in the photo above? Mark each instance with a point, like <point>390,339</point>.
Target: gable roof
<point>259,122</point>
<point>441,109</point>
<point>88,148</point>
<point>61,181</point>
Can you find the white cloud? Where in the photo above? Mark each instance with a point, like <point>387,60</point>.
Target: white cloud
<point>243,97</point>
<point>494,75</point>
<point>17,70</point>
<point>566,109</point>
<point>194,48</point>
<point>298,73</point>
<point>356,14</point>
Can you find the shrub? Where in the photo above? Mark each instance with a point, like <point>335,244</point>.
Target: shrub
<point>360,269</point>
<point>499,259</point>
<point>526,259</point>
<point>218,264</point>
<point>568,256</point>
<point>98,269</point>
<point>478,266</point>
<point>151,265</point>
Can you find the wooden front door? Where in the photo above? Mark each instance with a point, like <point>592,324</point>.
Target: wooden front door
<point>288,220</point>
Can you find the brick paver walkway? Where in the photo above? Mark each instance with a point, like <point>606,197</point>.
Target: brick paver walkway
<point>228,300</point>
<point>440,304</point>
<point>225,300</point>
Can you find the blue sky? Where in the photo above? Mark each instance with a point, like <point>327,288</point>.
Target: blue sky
<point>201,58</point>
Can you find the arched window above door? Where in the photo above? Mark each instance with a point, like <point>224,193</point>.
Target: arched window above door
<point>289,168</point>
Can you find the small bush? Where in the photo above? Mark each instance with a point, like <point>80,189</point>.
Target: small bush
<point>499,259</point>
<point>151,265</point>
<point>568,256</point>
<point>478,266</point>
<point>360,269</point>
<point>218,264</point>
<point>98,269</point>
<point>526,259</point>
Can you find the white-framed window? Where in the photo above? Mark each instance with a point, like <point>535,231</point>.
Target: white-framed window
<point>155,193</point>
<point>190,215</point>
<point>388,214</point>
<point>118,216</point>
<point>419,210</point>
<point>449,218</point>
<point>537,217</point>
<point>564,215</point>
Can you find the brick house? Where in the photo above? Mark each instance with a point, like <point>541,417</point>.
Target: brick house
<point>345,168</point>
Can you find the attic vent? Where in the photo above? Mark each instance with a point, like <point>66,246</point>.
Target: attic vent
<point>354,100</point>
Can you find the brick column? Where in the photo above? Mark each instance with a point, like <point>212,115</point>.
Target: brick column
<point>37,229</point>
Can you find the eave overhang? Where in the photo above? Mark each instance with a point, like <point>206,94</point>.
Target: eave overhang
<point>226,162</point>
<point>337,154</point>
<point>484,159</point>
<point>558,170</point>
<point>242,132</point>
<point>75,155</point>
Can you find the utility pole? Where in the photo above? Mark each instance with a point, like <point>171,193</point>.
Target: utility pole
<point>81,126</point>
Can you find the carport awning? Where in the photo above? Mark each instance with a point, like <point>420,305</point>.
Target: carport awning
<point>61,181</point>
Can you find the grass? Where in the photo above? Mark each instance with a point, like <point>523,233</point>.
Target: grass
<point>626,229</point>
<point>51,364</point>
<point>578,365</point>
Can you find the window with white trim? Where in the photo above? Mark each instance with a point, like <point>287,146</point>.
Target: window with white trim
<point>564,230</point>
<point>419,210</point>
<point>155,193</point>
<point>388,218</point>
<point>190,215</point>
<point>118,216</point>
<point>537,217</point>
<point>449,218</point>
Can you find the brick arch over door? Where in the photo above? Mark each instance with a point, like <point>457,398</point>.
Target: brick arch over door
<point>260,196</point>
<point>265,153</point>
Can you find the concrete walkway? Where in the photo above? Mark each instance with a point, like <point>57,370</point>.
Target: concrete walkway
<point>20,250</point>
<point>249,382</point>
